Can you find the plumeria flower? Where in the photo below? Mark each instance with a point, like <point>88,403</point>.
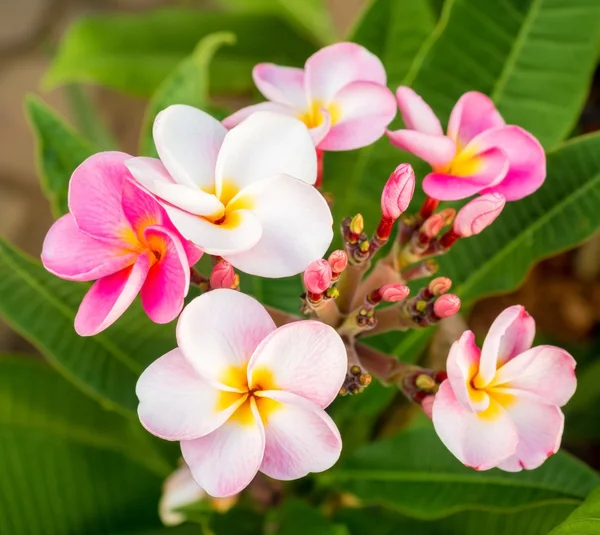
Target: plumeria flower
<point>500,407</point>
<point>118,235</point>
<point>245,195</point>
<point>243,396</point>
<point>478,154</point>
<point>341,96</point>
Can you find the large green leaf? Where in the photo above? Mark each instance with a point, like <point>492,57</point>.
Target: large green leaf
<point>413,473</point>
<point>295,517</point>
<point>42,308</point>
<point>135,52</point>
<point>59,151</point>
<point>585,520</point>
<point>187,84</point>
<point>67,466</point>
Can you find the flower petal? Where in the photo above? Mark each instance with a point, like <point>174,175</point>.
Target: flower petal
<point>435,150</point>
<point>365,109</point>
<point>547,371</point>
<point>479,440</point>
<point>177,404</point>
<point>527,161</point>
<point>511,334</point>
<point>335,66</point>
<point>140,208</point>
<point>219,331</point>
<point>314,365</point>
<point>472,114</point>
<point>224,462</point>
<point>188,142</point>
<point>95,197</point>
<point>179,490</point>
<point>284,85</point>
<point>73,255</point>
<point>264,145</point>
<point>241,233</point>
<point>168,280</point>
<point>319,132</point>
<point>300,436</point>
<point>236,118</point>
<point>416,113</point>
<point>296,227</point>
<point>110,296</point>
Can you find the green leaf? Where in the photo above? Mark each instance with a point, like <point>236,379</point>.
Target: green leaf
<point>134,53</point>
<point>66,465</point>
<point>187,84</point>
<point>295,517</point>
<point>239,520</point>
<point>534,58</point>
<point>585,520</point>
<point>59,151</point>
<point>414,474</point>
<point>42,308</point>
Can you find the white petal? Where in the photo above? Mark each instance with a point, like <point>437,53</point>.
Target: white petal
<point>236,118</point>
<point>179,490</point>
<point>192,200</point>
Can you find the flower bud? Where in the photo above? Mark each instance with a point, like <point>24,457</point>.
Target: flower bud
<point>478,214</point>
<point>439,286</point>
<point>317,276</point>
<point>427,406</point>
<point>432,225</point>
<point>338,260</point>
<point>394,292</point>
<point>357,224</point>
<point>447,305</point>
<point>398,191</point>
<point>222,275</point>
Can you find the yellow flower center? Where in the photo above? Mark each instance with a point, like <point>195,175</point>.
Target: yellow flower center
<point>228,217</point>
<point>314,115</point>
<point>465,163</point>
<point>497,395</point>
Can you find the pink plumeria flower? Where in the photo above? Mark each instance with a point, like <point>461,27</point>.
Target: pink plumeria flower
<point>243,396</point>
<point>341,96</point>
<point>119,236</point>
<point>478,154</point>
<point>500,407</point>
<point>245,195</point>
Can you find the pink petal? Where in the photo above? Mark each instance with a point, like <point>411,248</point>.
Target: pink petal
<point>236,118</point>
<point>177,404</point>
<point>318,133</point>
<point>188,142</point>
<point>416,113</point>
<point>296,227</point>
<point>435,150</point>
<point>527,161</point>
<point>491,166</point>
<point>284,85</point>
<point>224,462</point>
<point>110,296</point>
<point>95,197</point>
<point>219,331</point>
<point>300,436</point>
<point>179,490</point>
<point>511,334</point>
<point>546,371</point>
<point>140,208</point>
<point>73,255</point>
<point>264,145</point>
<point>472,114</point>
<point>335,66</point>
<point>462,366</point>
<point>168,280</point>
<point>365,109</point>
<point>307,358</point>
<point>475,440</point>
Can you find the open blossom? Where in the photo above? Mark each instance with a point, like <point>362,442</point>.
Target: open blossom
<point>118,235</point>
<point>341,96</point>
<point>245,195</point>
<point>243,396</point>
<point>500,407</point>
<point>478,154</point>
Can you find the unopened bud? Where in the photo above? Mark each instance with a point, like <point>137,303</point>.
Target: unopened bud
<point>333,293</point>
<point>398,192</point>
<point>222,275</point>
<point>338,260</point>
<point>317,276</point>
<point>478,214</point>
<point>448,214</point>
<point>357,224</point>
<point>364,246</point>
<point>425,382</point>
<point>355,370</point>
<point>447,305</point>
<point>394,292</point>
<point>440,286</point>
<point>432,225</point>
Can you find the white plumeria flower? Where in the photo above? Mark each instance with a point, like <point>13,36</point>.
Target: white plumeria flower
<point>179,490</point>
<point>242,395</point>
<point>500,407</point>
<point>245,195</point>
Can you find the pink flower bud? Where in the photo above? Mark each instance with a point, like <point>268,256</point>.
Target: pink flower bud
<point>317,276</point>
<point>394,292</point>
<point>478,214</point>
<point>338,260</point>
<point>427,406</point>
<point>398,191</point>
<point>440,285</point>
<point>222,275</point>
<point>432,225</point>
<point>447,305</point>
